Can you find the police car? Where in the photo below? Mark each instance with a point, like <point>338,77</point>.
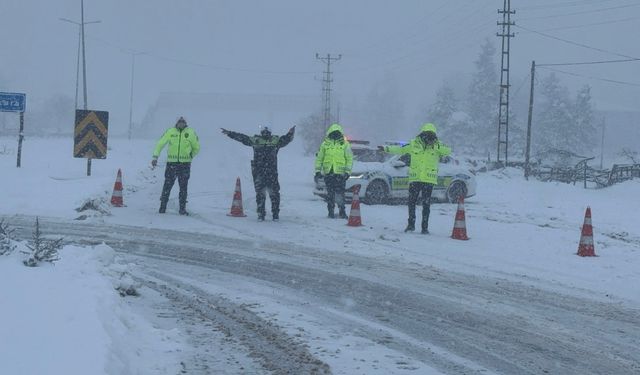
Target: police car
<point>383,177</point>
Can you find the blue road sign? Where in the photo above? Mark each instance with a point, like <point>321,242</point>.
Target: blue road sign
<point>12,102</point>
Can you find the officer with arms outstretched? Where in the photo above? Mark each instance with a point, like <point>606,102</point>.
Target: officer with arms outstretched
<point>264,166</point>
<point>425,151</point>
<point>183,147</point>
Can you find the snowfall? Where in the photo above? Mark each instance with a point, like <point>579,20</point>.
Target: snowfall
<point>68,317</point>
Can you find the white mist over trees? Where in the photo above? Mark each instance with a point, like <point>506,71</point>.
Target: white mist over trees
<point>469,123</point>
<point>561,123</point>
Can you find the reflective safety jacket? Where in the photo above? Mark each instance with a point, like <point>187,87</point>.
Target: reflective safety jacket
<point>334,156</point>
<point>424,159</point>
<point>183,145</point>
<point>265,150</point>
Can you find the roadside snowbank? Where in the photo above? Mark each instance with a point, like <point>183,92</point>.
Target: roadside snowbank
<point>67,318</point>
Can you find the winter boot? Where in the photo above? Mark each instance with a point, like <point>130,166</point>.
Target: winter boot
<point>331,215</point>
<point>425,219</point>
<point>261,216</point>
<point>275,216</point>
<point>342,214</point>
<point>411,226</point>
<point>163,207</point>
<point>183,209</point>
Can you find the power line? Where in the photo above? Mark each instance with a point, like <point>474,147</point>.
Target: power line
<point>592,24</point>
<point>574,43</point>
<point>592,77</point>
<point>583,12</point>
<point>564,5</point>
<point>590,62</point>
<point>198,64</point>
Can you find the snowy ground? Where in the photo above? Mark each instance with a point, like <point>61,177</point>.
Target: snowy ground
<point>521,232</point>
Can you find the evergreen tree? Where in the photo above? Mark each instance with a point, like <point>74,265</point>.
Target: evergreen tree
<point>42,249</point>
<point>312,131</point>
<point>6,238</point>
<point>383,112</point>
<point>443,112</point>
<point>584,132</point>
<point>483,99</point>
<point>444,107</point>
<point>553,120</point>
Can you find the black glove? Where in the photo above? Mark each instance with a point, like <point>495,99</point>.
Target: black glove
<point>318,175</point>
<point>381,148</point>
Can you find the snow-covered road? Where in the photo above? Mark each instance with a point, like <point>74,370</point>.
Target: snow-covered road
<point>421,317</point>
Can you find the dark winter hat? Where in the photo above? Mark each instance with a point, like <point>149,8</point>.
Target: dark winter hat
<point>181,121</point>
<point>265,131</point>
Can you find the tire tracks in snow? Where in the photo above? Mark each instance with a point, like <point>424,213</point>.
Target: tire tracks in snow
<point>496,325</point>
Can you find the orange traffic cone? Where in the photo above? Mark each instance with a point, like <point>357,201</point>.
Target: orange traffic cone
<point>236,205</point>
<point>354,214</point>
<point>459,226</point>
<point>116,197</point>
<point>586,249</point>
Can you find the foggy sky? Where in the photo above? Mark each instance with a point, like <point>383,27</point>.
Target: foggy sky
<point>254,46</point>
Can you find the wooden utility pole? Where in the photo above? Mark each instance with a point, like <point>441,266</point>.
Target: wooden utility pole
<point>527,165</point>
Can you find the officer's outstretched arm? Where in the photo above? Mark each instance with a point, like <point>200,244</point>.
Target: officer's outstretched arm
<point>287,138</point>
<point>242,138</point>
<point>443,149</point>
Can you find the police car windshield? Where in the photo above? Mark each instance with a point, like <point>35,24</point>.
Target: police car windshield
<point>365,155</point>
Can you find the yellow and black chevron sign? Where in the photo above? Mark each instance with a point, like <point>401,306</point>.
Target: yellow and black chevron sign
<point>90,136</point>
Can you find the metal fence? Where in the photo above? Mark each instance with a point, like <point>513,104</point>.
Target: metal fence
<point>588,176</point>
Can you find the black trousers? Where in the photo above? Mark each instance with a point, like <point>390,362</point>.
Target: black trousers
<point>415,189</point>
<point>335,185</point>
<point>181,171</point>
<point>267,183</point>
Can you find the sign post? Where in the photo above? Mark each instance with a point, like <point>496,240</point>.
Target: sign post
<point>90,135</point>
<point>15,102</point>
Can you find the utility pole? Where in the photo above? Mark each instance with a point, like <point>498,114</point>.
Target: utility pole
<point>604,124</point>
<point>527,166</point>
<point>78,55</point>
<point>503,111</point>
<point>84,72</point>
<point>326,87</point>
<point>133,69</point>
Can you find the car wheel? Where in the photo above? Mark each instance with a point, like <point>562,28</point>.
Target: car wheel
<point>456,190</point>
<point>377,192</point>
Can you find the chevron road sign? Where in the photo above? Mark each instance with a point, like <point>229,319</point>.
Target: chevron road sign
<point>90,136</point>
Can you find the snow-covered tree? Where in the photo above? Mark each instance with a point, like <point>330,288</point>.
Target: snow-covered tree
<point>553,120</point>
<point>446,104</point>
<point>42,249</point>
<point>312,131</point>
<point>483,98</point>
<point>383,112</point>
<point>6,238</point>
<point>584,132</point>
